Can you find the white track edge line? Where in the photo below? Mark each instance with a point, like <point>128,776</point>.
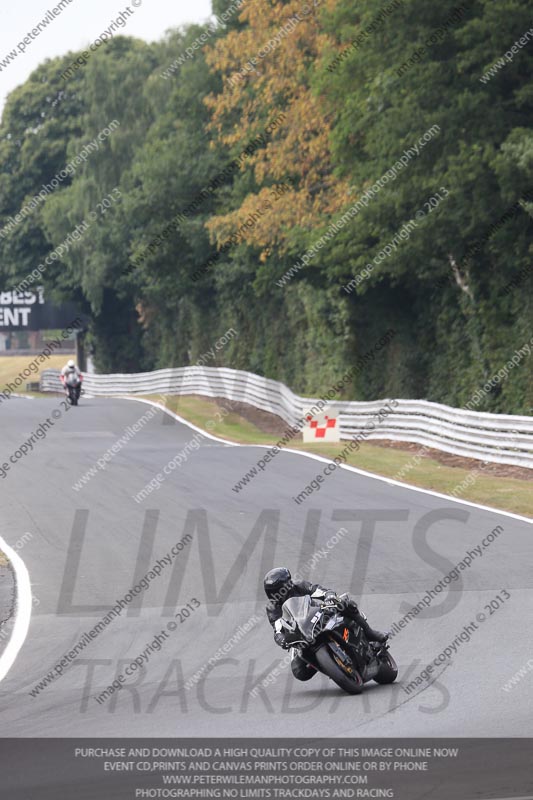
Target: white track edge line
<point>23,604</point>
<point>348,467</point>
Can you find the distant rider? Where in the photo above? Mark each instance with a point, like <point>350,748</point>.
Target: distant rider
<point>69,369</point>
<point>279,586</point>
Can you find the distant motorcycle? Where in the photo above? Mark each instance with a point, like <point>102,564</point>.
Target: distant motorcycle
<point>334,644</point>
<point>72,384</point>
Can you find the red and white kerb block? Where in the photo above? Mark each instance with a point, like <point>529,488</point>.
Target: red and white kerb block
<point>323,427</point>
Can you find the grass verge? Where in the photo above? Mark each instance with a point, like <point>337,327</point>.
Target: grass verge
<point>508,494</point>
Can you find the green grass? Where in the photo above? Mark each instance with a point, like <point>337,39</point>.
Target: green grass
<point>508,494</point>
<point>205,413</point>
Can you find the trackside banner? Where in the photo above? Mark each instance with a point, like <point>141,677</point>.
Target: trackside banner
<point>30,311</point>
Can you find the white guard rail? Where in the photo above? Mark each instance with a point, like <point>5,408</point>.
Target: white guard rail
<point>500,438</point>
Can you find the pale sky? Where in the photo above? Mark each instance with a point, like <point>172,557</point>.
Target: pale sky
<point>80,23</point>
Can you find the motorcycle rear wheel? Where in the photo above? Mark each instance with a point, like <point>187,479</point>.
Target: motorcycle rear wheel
<point>352,684</point>
<point>388,671</point>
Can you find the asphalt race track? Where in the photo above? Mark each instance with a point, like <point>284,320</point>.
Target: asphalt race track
<point>89,547</point>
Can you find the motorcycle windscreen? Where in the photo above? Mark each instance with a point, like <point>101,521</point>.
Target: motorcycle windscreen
<point>301,611</point>
<point>72,379</point>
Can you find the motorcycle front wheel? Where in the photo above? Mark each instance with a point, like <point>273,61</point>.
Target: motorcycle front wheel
<point>350,682</point>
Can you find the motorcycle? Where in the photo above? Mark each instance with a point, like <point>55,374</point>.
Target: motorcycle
<point>72,384</point>
<point>334,644</point>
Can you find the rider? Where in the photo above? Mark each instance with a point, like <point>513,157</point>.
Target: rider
<point>70,368</point>
<point>279,586</point>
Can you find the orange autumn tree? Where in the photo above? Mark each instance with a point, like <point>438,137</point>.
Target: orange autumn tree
<point>265,68</point>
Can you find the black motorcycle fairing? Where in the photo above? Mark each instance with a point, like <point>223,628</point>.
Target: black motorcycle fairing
<point>299,615</point>
<point>304,618</point>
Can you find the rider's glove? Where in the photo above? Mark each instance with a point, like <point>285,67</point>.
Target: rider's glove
<point>279,638</point>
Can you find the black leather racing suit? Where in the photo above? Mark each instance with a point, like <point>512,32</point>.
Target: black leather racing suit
<point>300,669</point>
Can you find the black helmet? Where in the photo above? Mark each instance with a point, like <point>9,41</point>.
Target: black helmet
<point>278,583</point>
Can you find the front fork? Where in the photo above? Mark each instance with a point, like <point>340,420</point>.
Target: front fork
<point>354,651</point>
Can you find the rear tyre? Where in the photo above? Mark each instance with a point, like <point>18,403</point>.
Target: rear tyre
<point>352,683</point>
<point>388,672</point>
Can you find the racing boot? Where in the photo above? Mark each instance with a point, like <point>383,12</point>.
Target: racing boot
<point>370,633</point>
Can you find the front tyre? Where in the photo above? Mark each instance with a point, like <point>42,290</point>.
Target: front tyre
<point>388,671</point>
<point>352,683</point>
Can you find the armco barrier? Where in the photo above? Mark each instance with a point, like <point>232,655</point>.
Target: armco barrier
<point>500,438</point>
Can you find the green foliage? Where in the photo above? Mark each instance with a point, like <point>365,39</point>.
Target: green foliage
<point>444,289</point>
<point>463,333</point>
